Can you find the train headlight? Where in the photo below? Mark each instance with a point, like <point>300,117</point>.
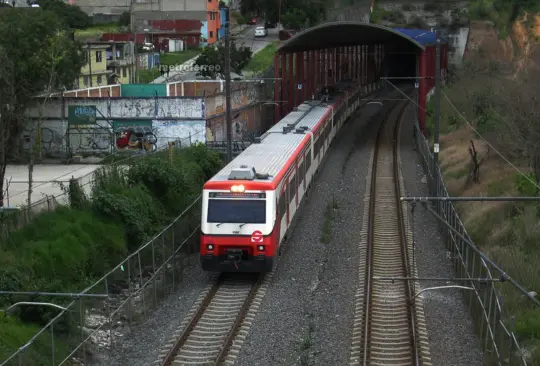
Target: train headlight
<point>261,248</point>
<point>238,189</point>
<point>210,247</point>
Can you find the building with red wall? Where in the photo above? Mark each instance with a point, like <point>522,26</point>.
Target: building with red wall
<point>213,20</point>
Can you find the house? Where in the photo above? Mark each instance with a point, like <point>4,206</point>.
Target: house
<point>107,63</point>
<point>213,22</point>
<point>121,61</point>
<point>94,72</point>
<point>222,23</point>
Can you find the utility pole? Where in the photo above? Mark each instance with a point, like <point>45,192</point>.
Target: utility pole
<point>228,116</point>
<point>437,115</point>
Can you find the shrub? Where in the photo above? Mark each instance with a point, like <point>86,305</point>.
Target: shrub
<point>67,249</point>
<point>132,207</point>
<point>525,186</point>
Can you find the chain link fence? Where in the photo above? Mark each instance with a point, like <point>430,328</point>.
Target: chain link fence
<point>485,301</point>
<point>14,218</point>
<point>97,317</point>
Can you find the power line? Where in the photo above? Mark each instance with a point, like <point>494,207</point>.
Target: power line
<point>487,142</point>
<point>470,125</point>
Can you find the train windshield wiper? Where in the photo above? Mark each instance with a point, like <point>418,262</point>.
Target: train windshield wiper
<point>242,225</point>
<point>221,223</point>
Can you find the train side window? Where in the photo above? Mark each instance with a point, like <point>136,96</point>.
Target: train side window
<point>301,172</point>
<point>282,204</point>
<point>292,189</point>
<point>308,160</point>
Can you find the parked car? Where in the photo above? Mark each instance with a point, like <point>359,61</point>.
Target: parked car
<point>269,24</point>
<point>252,21</point>
<point>261,32</point>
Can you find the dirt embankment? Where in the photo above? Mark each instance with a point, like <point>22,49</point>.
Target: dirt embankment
<point>519,47</point>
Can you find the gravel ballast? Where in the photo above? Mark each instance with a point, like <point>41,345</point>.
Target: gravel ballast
<point>450,327</point>
<point>305,317</point>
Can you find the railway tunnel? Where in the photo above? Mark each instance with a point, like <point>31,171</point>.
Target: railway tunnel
<point>330,52</point>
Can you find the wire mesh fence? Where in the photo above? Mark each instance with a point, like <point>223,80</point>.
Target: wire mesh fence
<point>15,218</point>
<point>135,287</point>
<point>494,327</point>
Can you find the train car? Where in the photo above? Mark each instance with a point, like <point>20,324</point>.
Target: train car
<point>249,205</point>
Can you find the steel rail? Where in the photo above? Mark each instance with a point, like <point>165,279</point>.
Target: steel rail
<point>403,243</point>
<point>401,223</point>
<point>193,322</point>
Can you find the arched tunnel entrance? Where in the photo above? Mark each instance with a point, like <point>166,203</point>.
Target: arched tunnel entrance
<point>327,53</point>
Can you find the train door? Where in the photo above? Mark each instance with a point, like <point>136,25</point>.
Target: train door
<point>303,172</point>
<point>286,187</point>
<point>296,183</point>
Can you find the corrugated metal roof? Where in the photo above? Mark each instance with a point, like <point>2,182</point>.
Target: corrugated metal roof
<point>347,33</point>
<point>423,36</point>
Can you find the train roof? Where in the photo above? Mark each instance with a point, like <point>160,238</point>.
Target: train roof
<point>270,156</point>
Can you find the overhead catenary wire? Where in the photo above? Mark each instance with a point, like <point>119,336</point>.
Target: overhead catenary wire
<point>487,142</point>
<point>474,129</point>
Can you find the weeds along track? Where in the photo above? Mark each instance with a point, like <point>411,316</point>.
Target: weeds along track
<point>388,328</point>
<point>207,335</point>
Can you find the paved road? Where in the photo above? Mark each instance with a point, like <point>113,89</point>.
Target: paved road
<point>247,39</point>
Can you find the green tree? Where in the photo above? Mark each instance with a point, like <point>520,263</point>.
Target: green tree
<point>211,61</point>
<point>125,19</point>
<point>294,19</point>
<point>37,55</point>
<point>71,15</point>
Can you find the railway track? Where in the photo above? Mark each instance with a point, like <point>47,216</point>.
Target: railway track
<point>210,328</point>
<point>389,327</point>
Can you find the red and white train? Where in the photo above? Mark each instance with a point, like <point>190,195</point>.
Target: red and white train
<point>249,205</point>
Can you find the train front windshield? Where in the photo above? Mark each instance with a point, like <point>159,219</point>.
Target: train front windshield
<point>236,211</point>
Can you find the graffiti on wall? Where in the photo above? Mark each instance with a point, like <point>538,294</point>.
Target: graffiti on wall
<point>134,136</point>
<point>240,125</point>
<point>91,138</point>
<point>243,123</point>
<point>186,132</point>
<point>245,96</point>
<point>215,105</point>
<point>49,139</point>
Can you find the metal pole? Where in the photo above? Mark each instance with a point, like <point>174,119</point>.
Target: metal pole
<point>469,199</point>
<point>458,279</point>
<point>437,116</point>
<point>60,294</point>
<point>134,33</point>
<point>90,64</point>
<point>228,87</point>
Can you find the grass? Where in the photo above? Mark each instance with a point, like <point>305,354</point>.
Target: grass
<point>329,217</point>
<point>507,232</point>
<point>96,31</point>
<point>263,59</point>
<point>178,58</point>
<point>307,341</point>
<point>14,333</point>
<point>147,76</point>
<point>67,249</point>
